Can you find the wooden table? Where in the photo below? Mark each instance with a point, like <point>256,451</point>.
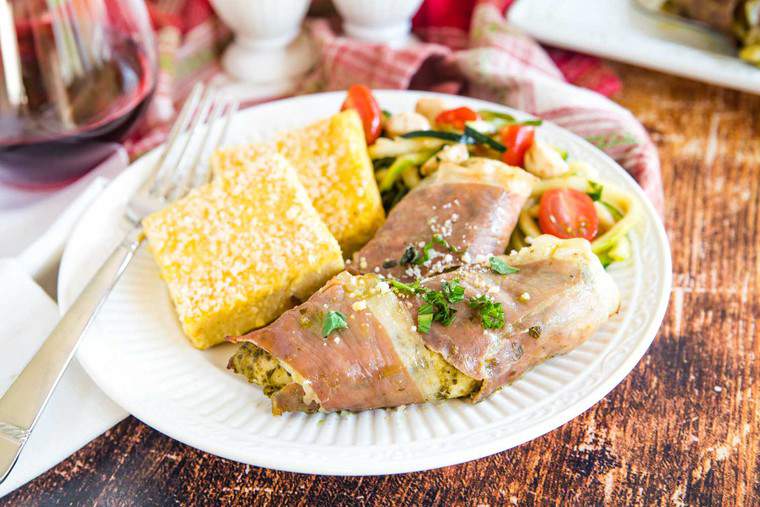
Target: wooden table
<point>682,428</point>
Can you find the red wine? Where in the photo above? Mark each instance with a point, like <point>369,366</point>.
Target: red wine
<point>60,131</point>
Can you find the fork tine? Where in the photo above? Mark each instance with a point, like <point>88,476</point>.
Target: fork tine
<point>230,108</point>
<point>233,107</point>
<point>190,175</point>
<point>180,124</point>
<point>167,187</point>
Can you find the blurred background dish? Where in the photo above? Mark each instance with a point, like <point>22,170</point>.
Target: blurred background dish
<point>380,21</point>
<point>270,54</point>
<point>624,30</point>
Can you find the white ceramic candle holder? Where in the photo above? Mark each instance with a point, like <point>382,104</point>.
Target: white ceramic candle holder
<point>269,52</point>
<point>379,21</point>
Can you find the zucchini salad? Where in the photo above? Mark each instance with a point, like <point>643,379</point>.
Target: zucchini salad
<point>568,200</point>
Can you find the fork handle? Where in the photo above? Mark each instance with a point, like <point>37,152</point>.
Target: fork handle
<point>25,400</point>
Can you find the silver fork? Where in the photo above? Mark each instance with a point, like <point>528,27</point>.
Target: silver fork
<point>176,172</point>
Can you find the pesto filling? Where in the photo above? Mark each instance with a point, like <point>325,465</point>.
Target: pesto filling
<point>259,367</point>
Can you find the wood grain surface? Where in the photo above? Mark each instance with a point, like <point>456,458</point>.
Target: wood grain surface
<point>681,429</point>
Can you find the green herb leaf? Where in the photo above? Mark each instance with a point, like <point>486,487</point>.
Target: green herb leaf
<point>491,312</point>
<point>443,313</point>
<point>535,332</point>
<point>452,291</point>
<point>425,256</point>
<point>410,256</point>
<point>425,318</point>
<point>499,266</point>
<point>333,321</point>
<point>596,190</point>
<point>406,288</point>
<point>386,113</point>
<point>437,239</point>
<point>534,123</point>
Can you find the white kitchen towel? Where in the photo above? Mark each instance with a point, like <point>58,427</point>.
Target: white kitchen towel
<point>78,411</point>
<point>26,214</point>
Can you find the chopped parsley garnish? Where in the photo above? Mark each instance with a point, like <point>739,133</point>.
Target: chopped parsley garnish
<point>410,256</point>
<point>437,239</point>
<point>406,288</point>
<point>425,318</point>
<point>386,113</point>
<point>501,267</point>
<point>437,307</point>
<point>452,291</point>
<point>442,311</point>
<point>333,321</point>
<point>596,190</point>
<point>491,312</point>
<point>535,332</point>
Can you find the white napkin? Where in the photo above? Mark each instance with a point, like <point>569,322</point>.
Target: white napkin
<point>78,410</point>
<point>26,215</point>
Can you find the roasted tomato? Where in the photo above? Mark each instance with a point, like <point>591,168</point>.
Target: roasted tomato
<point>360,98</point>
<point>518,139</point>
<point>456,117</point>
<point>568,213</point>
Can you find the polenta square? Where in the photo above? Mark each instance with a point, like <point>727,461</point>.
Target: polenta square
<point>332,163</point>
<point>236,254</point>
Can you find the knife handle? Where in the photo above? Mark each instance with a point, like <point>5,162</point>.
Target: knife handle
<point>25,399</point>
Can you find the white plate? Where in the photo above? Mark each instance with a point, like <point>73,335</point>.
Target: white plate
<point>137,354</point>
<point>620,30</point>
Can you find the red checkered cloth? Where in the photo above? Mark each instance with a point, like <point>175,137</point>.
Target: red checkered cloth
<point>491,61</point>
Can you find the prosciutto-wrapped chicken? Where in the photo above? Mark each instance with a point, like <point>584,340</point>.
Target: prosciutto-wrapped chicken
<point>363,342</point>
<point>461,212</point>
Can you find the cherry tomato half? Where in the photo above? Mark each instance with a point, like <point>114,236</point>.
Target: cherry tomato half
<point>568,213</point>
<point>518,139</point>
<point>360,98</point>
<point>456,117</point>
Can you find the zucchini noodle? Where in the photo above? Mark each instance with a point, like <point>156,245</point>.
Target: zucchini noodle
<point>400,165</point>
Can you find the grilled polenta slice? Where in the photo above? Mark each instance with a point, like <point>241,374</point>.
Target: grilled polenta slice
<point>237,253</point>
<point>332,162</point>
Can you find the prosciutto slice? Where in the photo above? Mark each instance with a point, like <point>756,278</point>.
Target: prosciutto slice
<point>557,299</point>
<point>472,207</point>
<point>354,369</point>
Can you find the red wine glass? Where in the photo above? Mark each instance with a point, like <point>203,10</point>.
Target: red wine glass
<point>75,76</point>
